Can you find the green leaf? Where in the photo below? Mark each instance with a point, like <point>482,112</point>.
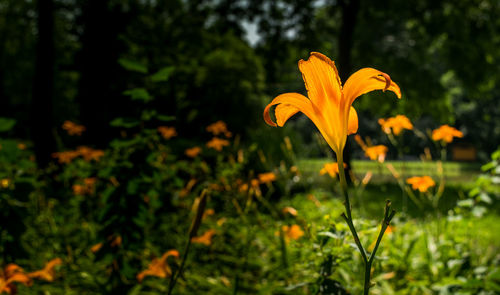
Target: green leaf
<point>139,94</point>
<point>6,124</point>
<point>165,118</point>
<point>133,65</point>
<point>162,75</point>
<point>124,122</point>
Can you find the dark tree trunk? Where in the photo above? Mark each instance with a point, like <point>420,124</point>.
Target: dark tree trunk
<point>43,85</point>
<point>99,93</point>
<point>350,10</point>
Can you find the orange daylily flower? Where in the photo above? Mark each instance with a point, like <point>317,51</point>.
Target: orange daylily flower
<point>167,132</point>
<point>87,188</point>
<point>421,183</point>
<point>217,143</point>
<point>89,153</point>
<point>219,127</point>
<point>205,239</point>
<point>47,273</point>
<point>193,152</point>
<point>267,177</point>
<point>159,266</point>
<point>331,169</point>
<point>446,133</point>
<point>376,152</point>
<point>395,124</point>
<point>329,105</point>
<point>11,274</point>
<point>21,146</point>
<point>73,128</point>
<point>293,232</point>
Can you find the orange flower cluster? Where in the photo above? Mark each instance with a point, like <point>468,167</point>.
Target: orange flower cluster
<point>193,152</point>
<point>13,273</point>
<point>167,132</point>
<point>87,188</point>
<point>217,143</point>
<point>159,266</point>
<point>395,124</point>
<point>446,133</point>
<point>421,183</point>
<point>376,152</point>
<point>219,127</point>
<point>87,153</point>
<point>73,128</point>
<point>205,239</point>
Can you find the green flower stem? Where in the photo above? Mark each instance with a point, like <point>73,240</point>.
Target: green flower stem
<point>388,215</point>
<point>175,277</point>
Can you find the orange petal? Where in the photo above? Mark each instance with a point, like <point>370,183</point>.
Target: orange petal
<point>321,79</point>
<point>366,80</point>
<point>352,124</point>
<point>293,102</point>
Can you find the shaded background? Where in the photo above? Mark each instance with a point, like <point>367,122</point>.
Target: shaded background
<point>60,60</point>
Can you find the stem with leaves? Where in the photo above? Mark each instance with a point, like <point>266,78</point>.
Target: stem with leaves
<point>347,215</point>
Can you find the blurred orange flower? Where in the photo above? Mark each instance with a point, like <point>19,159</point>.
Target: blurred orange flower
<point>73,128</point>
<point>47,273</point>
<point>96,247</point>
<point>11,274</point>
<point>331,169</point>
<point>421,183</point>
<point>395,124</point>
<point>21,146</point>
<point>65,157</point>
<point>329,105</point>
<point>377,152</point>
<point>217,143</point>
<point>290,210</point>
<point>87,188</point>
<point>167,132</point>
<point>446,133</point>
<point>267,177</point>
<point>205,239</point>
<point>293,232</point>
<point>89,153</point>
<point>193,152</point>
<point>159,266</point>
<point>219,127</point>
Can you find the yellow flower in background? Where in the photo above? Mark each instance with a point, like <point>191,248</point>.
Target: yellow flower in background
<point>47,273</point>
<point>446,133</point>
<point>376,152</point>
<point>331,169</point>
<point>217,143</point>
<point>329,105</point>
<point>422,183</point>
<point>159,266</point>
<point>73,128</point>
<point>266,177</point>
<point>167,132</point>
<point>193,152</point>
<point>395,124</point>
<point>218,128</point>
<point>12,273</point>
<point>205,239</point>
<point>4,183</point>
